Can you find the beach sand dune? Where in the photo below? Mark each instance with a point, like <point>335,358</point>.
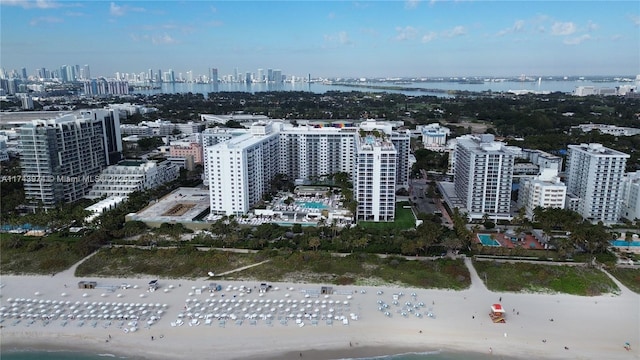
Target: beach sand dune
<point>252,325</point>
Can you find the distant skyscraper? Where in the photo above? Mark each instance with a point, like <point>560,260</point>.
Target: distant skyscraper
<point>87,72</point>
<point>277,76</point>
<point>269,74</point>
<point>24,73</point>
<point>235,75</point>
<point>260,75</point>
<point>172,76</point>
<point>159,76</point>
<point>213,77</point>
<point>64,77</point>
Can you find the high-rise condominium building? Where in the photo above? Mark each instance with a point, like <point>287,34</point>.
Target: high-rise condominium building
<point>594,179</point>
<point>631,201</point>
<point>375,176</point>
<point>483,176</point>
<point>60,158</point>
<point>213,136</point>
<point>241,169</point>
<point>237,177</point>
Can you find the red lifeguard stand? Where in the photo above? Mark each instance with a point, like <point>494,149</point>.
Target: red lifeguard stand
<point>497,314</point>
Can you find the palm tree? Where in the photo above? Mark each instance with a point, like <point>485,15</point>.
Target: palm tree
<point>628,237</point>
<point>314,243</point>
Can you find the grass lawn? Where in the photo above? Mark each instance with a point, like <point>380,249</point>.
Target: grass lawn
<point>404,219</point>
<point>628,277</point>
<point>526,277</point>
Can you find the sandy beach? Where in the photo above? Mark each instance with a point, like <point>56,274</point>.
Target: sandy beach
<point>185,319</point>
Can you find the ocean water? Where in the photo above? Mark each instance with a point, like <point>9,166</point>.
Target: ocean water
<point>70,355</point>
<point>54,355</point>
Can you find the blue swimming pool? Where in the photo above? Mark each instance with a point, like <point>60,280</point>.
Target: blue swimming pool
<point>486,240</point>
<point>625,243</point>
<point>311,204</point>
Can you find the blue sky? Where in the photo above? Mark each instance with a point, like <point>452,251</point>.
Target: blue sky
<point>326,38</point>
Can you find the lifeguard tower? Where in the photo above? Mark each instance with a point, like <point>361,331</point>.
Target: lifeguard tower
<point>497,314</point>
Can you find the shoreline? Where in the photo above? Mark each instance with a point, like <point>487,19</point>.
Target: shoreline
<point>593,327</point>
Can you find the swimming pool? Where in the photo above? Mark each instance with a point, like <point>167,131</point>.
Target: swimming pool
<point>624,243</point>
<point>311,204</point>
<point>486,240</point>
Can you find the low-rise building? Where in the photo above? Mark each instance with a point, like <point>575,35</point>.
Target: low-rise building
<point>545,191</point>
<point>132,175</point>
<point>187,149</point>
<point>434,136</point>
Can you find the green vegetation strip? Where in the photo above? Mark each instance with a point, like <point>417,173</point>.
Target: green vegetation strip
<point>183,262</point>
<point>526,277</point>
<point>628,277</point>
<point>311,266</point>
<point>361,269</point>
<point>23,255</point>
<point>404,219</point>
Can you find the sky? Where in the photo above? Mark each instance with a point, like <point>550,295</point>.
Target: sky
<point>325,38</point>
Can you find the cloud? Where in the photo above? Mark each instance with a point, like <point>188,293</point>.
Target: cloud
<point>635,19</point>
<point>369,31</point>
<point>75,13</point>
<point>214,9</point>
<point>45,20</point>
<point>341,38</point>
<point>577,40</point>
<point>411,4</point>
<point>38,4</point>
<point>117,10</point>
<point>429,37</point>
<point>456,31</point>
<point>563,28</point>
<point>163,39</point>
<point>518,26</point>
<point>405,33</point>
<point>591,26</point>
<point>616,37</point>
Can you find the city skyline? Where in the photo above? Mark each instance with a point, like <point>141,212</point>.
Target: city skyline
<point>326,39</point>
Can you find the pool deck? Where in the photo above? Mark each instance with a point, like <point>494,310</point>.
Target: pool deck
<point>529,242</point>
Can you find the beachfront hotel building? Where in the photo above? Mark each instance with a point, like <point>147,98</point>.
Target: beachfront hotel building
<point>483,176</point>
<point>213,136</point>
<point>545,191</point>
<point>240,168</point>
<point>595,181</point>
<point>60,158</point>
<point>132,175</point>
